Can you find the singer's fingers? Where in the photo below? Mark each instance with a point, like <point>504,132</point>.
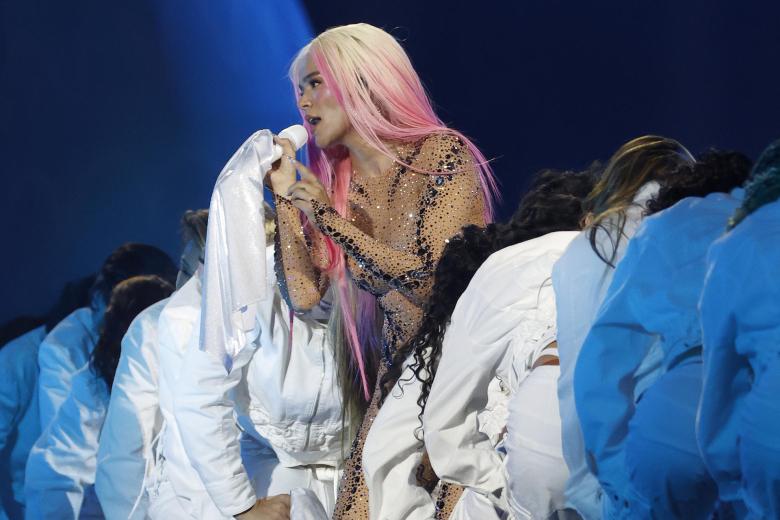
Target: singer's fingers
<point>306,174</point>
<point>286,145</point>
<point>302,190</point>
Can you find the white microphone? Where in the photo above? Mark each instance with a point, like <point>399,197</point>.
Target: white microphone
<point>297,135</point>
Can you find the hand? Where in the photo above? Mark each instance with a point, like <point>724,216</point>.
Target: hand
<point>268,508</point>
<point>308,189</point>
<point>282,173</point>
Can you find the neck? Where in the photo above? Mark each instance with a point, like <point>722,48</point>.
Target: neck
<point>366,159</point>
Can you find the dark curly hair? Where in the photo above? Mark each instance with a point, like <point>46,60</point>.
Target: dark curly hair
<point>128,298</point>
<point>554,202</point>
<point>132,259</point>
<point>764,184</point>
<point>714,171</point>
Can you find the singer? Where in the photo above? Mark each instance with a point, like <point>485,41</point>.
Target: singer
<point>387,184</point>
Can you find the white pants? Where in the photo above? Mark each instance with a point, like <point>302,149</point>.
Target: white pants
<point>536,471</point>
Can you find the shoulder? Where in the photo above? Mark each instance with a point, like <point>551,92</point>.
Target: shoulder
<point>443,153</point>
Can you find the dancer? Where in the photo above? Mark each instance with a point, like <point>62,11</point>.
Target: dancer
<point>270,424</point>
<point>645,454</point>
<point>133,420</point>
<point>61,467</point>
<point>739,419</point>
<point>19,419</point>
<point>581,276</point>
<point>502,325</point>
<point>68,346</point>
<point>389,184</point>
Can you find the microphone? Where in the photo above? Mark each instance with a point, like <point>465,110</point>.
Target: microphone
<point>297,135</point>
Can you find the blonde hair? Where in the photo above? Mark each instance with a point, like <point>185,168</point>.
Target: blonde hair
<point>637,162</point>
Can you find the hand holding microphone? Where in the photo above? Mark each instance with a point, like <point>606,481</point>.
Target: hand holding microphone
<point>282,172</point>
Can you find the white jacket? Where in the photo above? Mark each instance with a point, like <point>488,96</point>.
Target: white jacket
<point>506,313</point>
<point>580,280</point>
<point>282,394</point>
<point>132,421</point>
<point>19,420</point>
<point>740,315</point>
<point>653,299</point>
<point>64,351</point>
<point>61,468</point>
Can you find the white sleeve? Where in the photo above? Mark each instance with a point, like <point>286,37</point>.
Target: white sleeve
<point>203,407</point>
<point>62,463</point>
<point>619,340</point>
<point>475,345</point>
<point>726,376</point>
<point>132,422</point>
<point>392,454</point>
<point>60,355</point>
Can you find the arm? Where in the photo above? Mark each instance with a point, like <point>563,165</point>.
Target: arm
<point>613,350</point>
<point>203,407</point>
<point>450,201</point>
<point>726,375</point>
<point>62,463</point>
<point>18,371</point>
<point>64,350</point>
<point>475,345</point>
<point>132,422</point>
<point>301,281</point>
<point>392,454</point>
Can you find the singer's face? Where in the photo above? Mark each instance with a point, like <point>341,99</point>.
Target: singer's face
<point>327,120</point>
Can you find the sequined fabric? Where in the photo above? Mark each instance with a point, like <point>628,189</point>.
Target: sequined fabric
<point>396,228</point>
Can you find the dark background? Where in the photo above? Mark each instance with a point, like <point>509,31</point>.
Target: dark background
<point>116,118</point>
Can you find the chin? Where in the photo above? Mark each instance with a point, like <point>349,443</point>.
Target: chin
<point>322,142</point>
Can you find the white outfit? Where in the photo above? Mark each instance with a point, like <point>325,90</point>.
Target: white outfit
<point>132,422</point>
<point>654,296</point>
<point>64,351</point>
<point>580,279</point>
<point>283,395</point>
<point>19,419</point>
<point>173,487</point>
<point>738,416</point>
<point>61,468</point>
<point>502,320</point>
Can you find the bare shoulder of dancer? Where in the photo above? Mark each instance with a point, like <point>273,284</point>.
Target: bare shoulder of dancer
<point>269,508</point>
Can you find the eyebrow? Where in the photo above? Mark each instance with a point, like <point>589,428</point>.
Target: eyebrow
<point>307,77</point>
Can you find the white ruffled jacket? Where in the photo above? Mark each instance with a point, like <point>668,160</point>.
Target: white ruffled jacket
<point>501,321</point>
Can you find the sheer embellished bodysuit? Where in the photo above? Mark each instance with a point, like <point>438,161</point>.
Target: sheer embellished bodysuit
<point>395,230</point>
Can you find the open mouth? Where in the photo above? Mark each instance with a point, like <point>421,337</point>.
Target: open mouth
<point>313,120</point>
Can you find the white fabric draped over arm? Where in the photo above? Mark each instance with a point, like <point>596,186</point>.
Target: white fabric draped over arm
<point>132,422</point>
<point>62,463</point>
<point>235,258</point>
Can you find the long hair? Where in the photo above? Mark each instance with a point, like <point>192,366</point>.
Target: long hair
<point>373,80</point>
<point>554,202</point>
<point>637,162</point>
<point>128,298</point>
<point>74,295</point>
<point>128,260</point>
<point>763,186</point>
<point>714,171</point>
<point>194,224</point>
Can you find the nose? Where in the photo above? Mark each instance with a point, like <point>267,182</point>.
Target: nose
<point>304,103</point>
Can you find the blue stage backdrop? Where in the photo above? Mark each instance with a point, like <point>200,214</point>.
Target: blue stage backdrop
<point>118,116</point>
